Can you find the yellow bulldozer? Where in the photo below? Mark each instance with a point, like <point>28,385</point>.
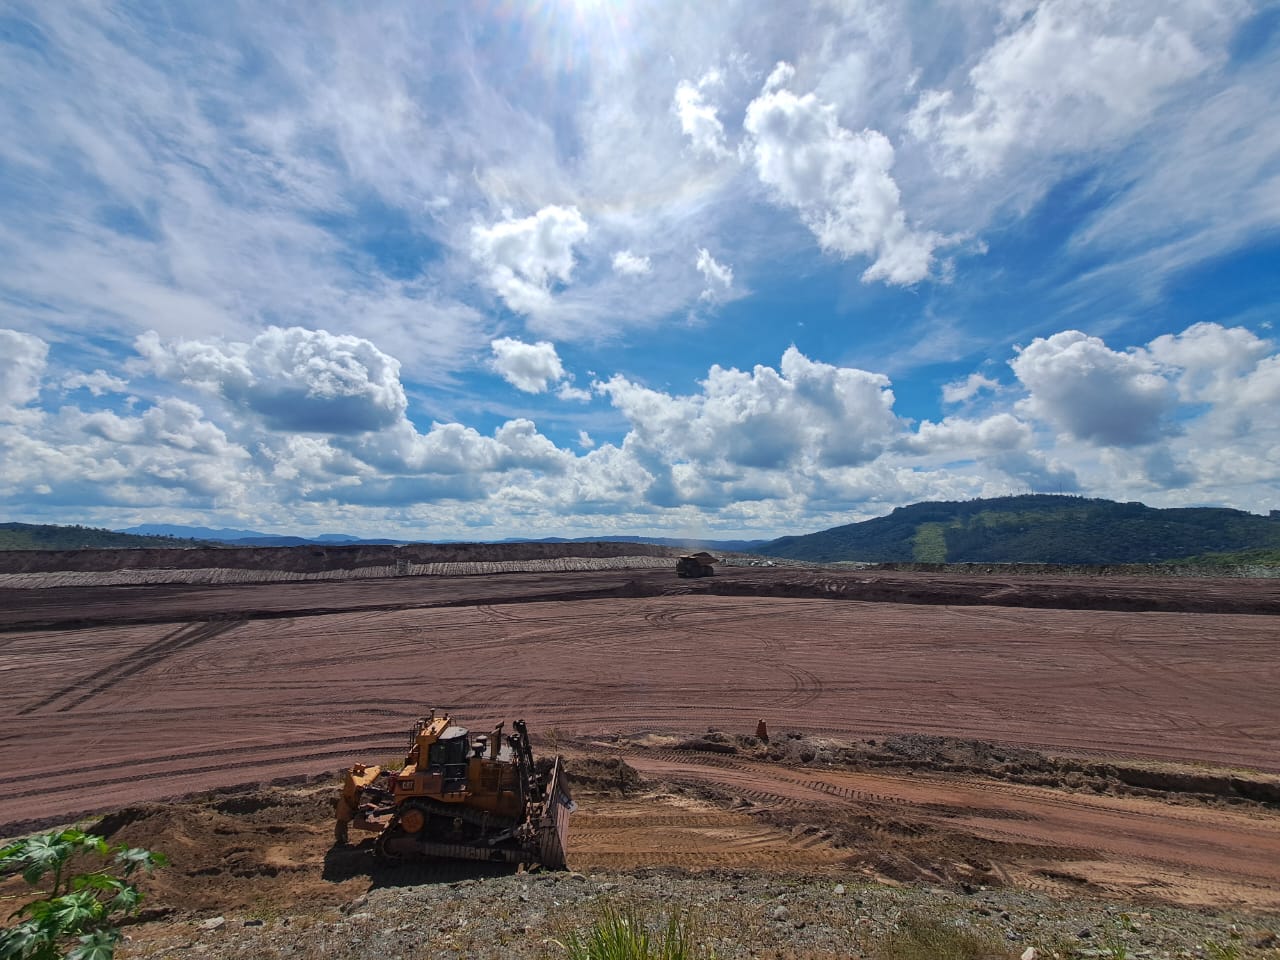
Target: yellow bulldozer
<point>460,796</point>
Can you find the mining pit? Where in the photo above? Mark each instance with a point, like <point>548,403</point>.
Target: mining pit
<point>1110,735</point>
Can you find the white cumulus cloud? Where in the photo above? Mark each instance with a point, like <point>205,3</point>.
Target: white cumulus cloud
<point>747,434</point>
<point>975,438</point>
<point>293,378</point>
<point>22,363</point>
<point>959,391</point>
<point>97,383</point>
<point>525,257</point>
<point>628,264</point>
<point>1211,361</point>
<point>698,118</point>
<point>717,276</point>
<point>531,367</point>
<point>1094,393</point>
<point>838,181</point>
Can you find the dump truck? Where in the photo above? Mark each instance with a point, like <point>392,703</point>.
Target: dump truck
<point>696,565</point>
<point>464,797</point>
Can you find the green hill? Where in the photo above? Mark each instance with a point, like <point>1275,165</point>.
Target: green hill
<point>1038,528</point>
<point>42,536</point>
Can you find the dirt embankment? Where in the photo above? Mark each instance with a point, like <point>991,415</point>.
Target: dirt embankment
<point>311,559</point>
<point>69,599</point>
<point>1049,590</point>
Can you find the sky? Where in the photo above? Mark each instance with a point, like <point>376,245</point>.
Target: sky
<point>498,269</point>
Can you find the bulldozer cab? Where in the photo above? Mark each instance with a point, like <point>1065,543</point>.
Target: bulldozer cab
<point>449,756</point>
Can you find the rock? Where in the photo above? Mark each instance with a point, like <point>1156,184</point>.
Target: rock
<point>213,923</point>
<point>781,913</point>
<point>1031,953</point>
<point>839,890</point>
<point>1085,934</point>
<point>1263,939</point>
<point>254,923</point>
<point>581,877</point>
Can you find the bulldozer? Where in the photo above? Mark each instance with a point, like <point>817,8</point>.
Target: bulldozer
<point>464,797</point>
<point>696,565</point>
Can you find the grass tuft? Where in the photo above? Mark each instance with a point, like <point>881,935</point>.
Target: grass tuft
<point>923,936</point>
<point>622,934</point>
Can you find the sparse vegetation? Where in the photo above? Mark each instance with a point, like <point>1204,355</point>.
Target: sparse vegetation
<point>1240,558</point>
<point>922,935</point>
<point>78,917</point>
<point>1221,951</point>
<point>622,933</point>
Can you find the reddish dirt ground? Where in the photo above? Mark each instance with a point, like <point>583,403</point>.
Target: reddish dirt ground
<point>162,691</point>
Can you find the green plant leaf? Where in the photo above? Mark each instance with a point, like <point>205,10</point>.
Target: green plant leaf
<point>96,881</point>
<point>127,899</point>
<point>26,940</point>
<point>75,911</point>
<point>131,858</point>
<point>42,854</point>
<point>99,945</point>
<point>81,918</point>
<point>10,854</point>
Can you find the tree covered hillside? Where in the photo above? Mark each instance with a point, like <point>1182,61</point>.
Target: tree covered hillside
<point>1037,528</point>
<point>35,536</point>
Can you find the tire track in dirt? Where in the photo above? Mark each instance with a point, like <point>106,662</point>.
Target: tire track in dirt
<point>1109,648</point>
<point>371,742</point>
<point>1246,845</point>
<point>86,688</point>
<point>1218,847</point>
<point>248,758</point>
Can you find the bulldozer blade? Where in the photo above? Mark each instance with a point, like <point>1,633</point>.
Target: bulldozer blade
<point>553,830</point>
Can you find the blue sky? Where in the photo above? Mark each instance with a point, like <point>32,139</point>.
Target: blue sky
<point>580,267</point>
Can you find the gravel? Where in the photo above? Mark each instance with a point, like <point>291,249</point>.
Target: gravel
<point>736,915</point>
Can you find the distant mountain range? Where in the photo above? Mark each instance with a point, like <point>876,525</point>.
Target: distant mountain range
<point>248,538</point>
<point>1041,528</point>
<point>256,538</point>
<point>1038,528</point>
